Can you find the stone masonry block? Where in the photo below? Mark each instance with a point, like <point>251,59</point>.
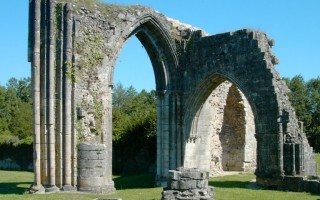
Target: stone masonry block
<point>92,181</point>
<point>185,184</point>
<point>88,155</point>
<point>91,164</point>
<point>195,175</point>
<point>202,183</point>
<point>86,173</point>
<point>91,147</point>
<point>174,185</point>
<point>174,175</point>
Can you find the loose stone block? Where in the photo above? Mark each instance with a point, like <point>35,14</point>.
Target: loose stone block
<point>186,184</point>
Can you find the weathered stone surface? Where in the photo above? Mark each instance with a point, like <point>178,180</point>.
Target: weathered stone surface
<point>92,169</point>
<point>188,184</point>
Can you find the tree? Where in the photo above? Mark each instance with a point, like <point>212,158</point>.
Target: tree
<point>313,105</point>
<point>298,97</point>
<point>134,129</point>
<point>305,98</point>
<point>16,112</point>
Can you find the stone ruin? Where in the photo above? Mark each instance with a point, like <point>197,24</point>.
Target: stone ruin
<point>188,184</point>
<point>221,105</point>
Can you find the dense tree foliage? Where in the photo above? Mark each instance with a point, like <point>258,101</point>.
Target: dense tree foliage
<point>305,98</point>
<point>16,112</point>
<point>134,130</point>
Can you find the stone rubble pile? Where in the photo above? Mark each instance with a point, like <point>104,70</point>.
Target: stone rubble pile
<point>188,184</point>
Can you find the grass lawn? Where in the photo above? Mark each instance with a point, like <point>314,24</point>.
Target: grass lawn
<point>13,185</point>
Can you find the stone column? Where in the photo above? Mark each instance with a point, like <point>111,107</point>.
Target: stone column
<point>172,131</point>
<point>106,137</point>
<point>43,100</point>
<point>293,159</point>
<point>51,97</point>
<point>34,20</point>
<point>178,130</point>
<point>92,167</point>
<point>59,64</point>
<point>280,146</point>
<point>67,105</point>
<point>162,137</point>
<point>159,97</point>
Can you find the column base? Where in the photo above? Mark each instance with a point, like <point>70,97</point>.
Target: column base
<point>34,189</point>
<point>68,188</point>
<point>103,189</point>
<point>52,189</point>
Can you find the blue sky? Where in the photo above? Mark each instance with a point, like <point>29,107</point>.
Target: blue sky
<point>294,25</point>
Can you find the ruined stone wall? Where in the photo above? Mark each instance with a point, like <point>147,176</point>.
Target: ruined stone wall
<point>217,100</point>
<point>73,49</point>
<point>223,133</point>
<point>232,135</point>
<point>250,149</point>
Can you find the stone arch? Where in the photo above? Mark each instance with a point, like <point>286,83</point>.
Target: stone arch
<point>209,136</point>
<point>159,46</point>
<point>162,53</point>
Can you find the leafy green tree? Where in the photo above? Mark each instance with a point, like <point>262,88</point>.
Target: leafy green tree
<point>16,112</point>
<point>305,98</point>
<point>21,123</point>
<point>313,104</point>
<point>298,97</point>
<point>22,88</point>
<point>134,129</point>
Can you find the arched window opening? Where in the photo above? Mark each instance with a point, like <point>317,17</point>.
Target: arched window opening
<point>134,111</point>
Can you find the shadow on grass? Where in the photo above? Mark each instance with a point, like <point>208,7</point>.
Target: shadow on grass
<point>229,184</point>
<point>13,187</point>
<point>134,182</point>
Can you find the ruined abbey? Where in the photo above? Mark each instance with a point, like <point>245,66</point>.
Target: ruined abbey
<point>221,105</point>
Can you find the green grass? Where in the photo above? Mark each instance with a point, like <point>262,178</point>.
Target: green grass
<point>236,187</point>
<point>14,185</point>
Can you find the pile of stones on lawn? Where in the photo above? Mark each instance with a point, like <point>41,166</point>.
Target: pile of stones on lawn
<point>188,184</point>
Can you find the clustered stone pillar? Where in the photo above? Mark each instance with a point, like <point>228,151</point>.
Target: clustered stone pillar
<point>52,95</point>
<point>188,184</point>
<point>169,136</point>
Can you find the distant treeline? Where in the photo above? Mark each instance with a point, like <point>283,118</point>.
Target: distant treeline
<point>134,121</point>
